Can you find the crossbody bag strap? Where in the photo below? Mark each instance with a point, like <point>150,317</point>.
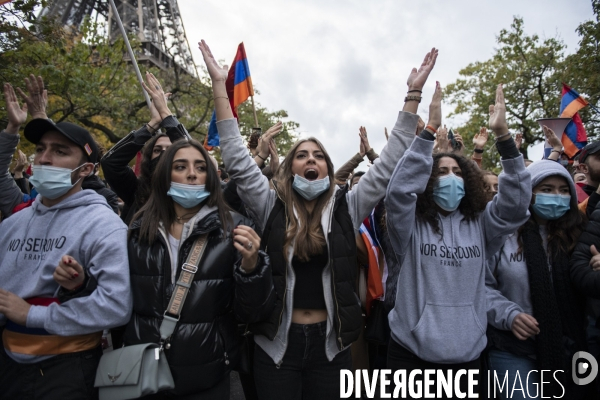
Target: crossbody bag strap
<point>186,277</point>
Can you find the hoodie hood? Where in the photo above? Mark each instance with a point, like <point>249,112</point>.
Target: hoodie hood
<point>79,199</point>
<point>542,169</point>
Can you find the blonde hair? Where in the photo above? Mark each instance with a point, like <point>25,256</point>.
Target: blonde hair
<point>306,227</point>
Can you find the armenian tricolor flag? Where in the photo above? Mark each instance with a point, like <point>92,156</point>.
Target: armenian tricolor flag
<point>374,280</point>
<point>575,136</point>
<point>239,88</point>
<point>4,1</point>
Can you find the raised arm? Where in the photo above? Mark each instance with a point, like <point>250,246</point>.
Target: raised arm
<point>253,186</point>
<point>373,184</point>
<point>409,179</point>
<point>115,163</point>
<point>509,208</point>
<point>10,194</point>
<point>343,172</point>
<point>479,141</point>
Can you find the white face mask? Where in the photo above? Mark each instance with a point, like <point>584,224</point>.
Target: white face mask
<point>52,182</point>
<point>310,189</point>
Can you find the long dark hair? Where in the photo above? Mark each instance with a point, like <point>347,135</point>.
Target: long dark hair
<point>145,179</point>
<point>306,226</point>
<point>470,206</point>
<point>160,208</point>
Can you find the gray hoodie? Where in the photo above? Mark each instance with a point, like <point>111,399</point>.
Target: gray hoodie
<point>440,306</point>
<point>32,243</point>
<point>259,199</point>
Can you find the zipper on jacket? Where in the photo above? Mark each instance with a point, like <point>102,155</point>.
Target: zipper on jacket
<point>286,271</point>
<point>337,306</point>
<point>120,143</point>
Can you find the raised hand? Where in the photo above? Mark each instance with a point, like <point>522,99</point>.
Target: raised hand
<point>435,110</point>
<point>21,162</point>
<point>158,96</point>
<point>442,139</point>
<point>364,139</point>
<point>263,144</point>
<point>216,72</point>
<point>17,114</point>
<point>69,274</point>
<point>274,160</point>
<point>37,100</point>
<point>247,242</point>
<point>525,326</point>
<point>498,115</point>
<point>418,77</point>
<point>518,140</point>
<point>480,138</point>
<point>460,145</point>
<point>552,139</point>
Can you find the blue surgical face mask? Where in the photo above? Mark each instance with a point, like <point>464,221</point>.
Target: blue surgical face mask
<point>564,163</point>
<point>52,182</point>
<point>187,196</point>
<point>310,189</point>
<point>448,192</point>
<point>551,206</point>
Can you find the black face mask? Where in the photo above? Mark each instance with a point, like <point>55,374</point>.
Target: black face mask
<point>154,162</point>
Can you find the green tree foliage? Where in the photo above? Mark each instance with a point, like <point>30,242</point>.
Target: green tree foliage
<point>91,82</point>
<point>528,68</point>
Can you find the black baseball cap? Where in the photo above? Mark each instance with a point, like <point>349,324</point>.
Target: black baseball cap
<point>36,128</point>
<point>591,148</point>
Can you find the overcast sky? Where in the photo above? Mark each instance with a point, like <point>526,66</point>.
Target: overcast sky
<point>337,65</point>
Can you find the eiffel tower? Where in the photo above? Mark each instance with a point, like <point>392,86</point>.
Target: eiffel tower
<point>156,23</point>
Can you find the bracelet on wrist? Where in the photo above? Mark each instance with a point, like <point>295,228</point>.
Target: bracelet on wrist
<point>412,98</point>
<point>221,97</point>
<point>431,128</point>
<point>258,155</point>
<point>555,151</point>
<point>503,136</point>
<point>415,90</point>
<point>479,151</point>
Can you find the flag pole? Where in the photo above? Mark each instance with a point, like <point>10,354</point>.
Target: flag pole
<point>129,50</point>
<point>254,111</point>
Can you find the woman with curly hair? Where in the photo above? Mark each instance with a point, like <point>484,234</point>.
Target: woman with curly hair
<point>536,318</point>
<point>442,229</point>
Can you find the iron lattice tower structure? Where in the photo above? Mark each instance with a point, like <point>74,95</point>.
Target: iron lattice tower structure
<point>156,23</point>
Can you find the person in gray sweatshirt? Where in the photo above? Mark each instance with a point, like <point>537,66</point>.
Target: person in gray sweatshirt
<point>536,319</point>
<point>442,230</point>
<point>64,274</point>
<point>309,226</point>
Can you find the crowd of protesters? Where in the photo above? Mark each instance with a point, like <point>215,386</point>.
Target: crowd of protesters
<point>425,261</point>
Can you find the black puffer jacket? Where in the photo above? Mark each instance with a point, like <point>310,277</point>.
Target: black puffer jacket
<point>94,183</point>
<point>204,345</point>
<point>582,275</point>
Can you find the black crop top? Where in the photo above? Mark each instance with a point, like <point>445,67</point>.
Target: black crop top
<point>308,290</point>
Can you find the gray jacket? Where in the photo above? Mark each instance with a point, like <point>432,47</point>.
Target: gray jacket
<point>259,199</point>
<point>10,194</point>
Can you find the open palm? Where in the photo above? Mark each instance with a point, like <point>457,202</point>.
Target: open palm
<point>418,77</point>
<point>216,72</point>
<point>17,115</point>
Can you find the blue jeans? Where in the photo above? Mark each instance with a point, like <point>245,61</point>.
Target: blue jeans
<point>305,372</point>
<point>502,361</point>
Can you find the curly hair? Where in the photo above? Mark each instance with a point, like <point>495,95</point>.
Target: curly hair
<point>470,206</point>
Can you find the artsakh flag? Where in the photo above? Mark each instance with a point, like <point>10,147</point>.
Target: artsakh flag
<point>575,136</point>
<point>239,88</point>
